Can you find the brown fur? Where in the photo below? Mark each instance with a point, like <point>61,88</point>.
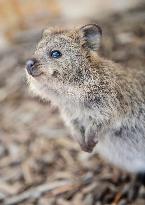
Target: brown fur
<point>102,103</point>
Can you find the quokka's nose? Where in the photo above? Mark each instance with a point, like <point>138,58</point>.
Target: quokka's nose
<point>30,66</point>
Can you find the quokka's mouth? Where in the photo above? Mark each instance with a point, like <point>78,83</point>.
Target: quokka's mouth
<point>33,73</point>
<point>37,74</point>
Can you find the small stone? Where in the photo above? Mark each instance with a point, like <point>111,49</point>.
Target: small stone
<point>88,200</point>
<point>123,202</point>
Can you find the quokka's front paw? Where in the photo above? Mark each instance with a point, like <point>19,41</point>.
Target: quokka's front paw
<point>89,142</point>
<point>91,138</point>
<point>89,145</point>
<point>85,135</point>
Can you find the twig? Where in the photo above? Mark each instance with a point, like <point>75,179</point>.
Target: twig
<point>35,192</point>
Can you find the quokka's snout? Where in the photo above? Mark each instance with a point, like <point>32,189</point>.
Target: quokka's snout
<point>32,68</point>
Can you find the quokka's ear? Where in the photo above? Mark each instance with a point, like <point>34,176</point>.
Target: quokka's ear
<point>91,35</point>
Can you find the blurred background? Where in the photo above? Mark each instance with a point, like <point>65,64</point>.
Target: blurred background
<point>39,162</point>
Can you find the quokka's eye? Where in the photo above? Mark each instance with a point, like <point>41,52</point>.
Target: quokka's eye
<point>55,54</point>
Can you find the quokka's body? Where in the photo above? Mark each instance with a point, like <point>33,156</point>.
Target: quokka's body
<point>102,103</point>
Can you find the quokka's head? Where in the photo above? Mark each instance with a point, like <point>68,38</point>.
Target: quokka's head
<point>61,60</point>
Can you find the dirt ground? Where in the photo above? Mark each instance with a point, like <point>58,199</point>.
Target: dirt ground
<point>39,162</point>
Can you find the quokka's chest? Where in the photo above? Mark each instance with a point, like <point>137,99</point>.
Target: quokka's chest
<point>126,149</point>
